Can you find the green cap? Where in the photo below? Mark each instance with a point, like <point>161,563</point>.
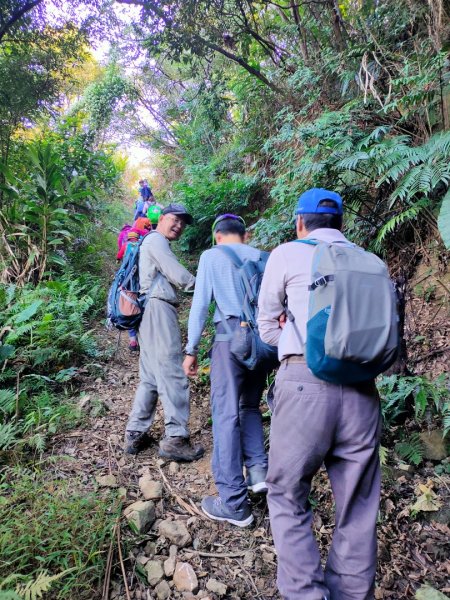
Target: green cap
<point>153,214</point>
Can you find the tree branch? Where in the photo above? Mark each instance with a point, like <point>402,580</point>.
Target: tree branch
<point>209,44</point>
<point>16,16</point>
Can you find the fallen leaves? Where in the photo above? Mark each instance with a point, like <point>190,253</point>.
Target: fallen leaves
<point>427,500</point>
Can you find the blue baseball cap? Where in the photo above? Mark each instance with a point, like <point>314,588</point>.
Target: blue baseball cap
<point>309,201</point>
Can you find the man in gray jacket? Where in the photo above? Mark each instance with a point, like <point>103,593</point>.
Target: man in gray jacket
<point>160,364</point>
<point>315,422</point>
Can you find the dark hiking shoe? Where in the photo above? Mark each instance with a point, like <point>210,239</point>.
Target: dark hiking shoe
<point>180,449</point>
<point>135,441</point>
<point>256,479</point>
<point>215,509</point>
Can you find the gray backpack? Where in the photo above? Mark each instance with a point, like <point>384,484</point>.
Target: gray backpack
<point>352,327</point>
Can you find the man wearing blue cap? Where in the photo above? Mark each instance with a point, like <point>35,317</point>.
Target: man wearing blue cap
<point>317,422</point>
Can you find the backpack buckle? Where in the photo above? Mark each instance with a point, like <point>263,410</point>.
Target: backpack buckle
<point>320,281</point>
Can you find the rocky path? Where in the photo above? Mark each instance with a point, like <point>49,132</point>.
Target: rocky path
<point>169,549</point>
<point>213,560</point>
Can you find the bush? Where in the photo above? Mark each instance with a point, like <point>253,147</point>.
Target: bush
<point>46,335</point>
<point>50,525</point>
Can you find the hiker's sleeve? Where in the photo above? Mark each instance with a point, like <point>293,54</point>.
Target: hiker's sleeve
<point>203,296</point>
<point>168,265</point>
<point>272,298</point>
<point>121,252</point>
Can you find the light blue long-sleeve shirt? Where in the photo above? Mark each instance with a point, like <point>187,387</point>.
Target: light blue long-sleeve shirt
<point>217,280</point>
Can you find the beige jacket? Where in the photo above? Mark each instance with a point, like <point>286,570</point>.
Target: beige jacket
<point>286,279</point>
<point>159,270</point>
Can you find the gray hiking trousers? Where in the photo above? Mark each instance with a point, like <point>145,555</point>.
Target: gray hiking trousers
<point>161,372</point>
<point>236,421</point>
<point>316,422</point>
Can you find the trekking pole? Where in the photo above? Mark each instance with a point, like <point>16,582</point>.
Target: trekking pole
<point>118,343</point>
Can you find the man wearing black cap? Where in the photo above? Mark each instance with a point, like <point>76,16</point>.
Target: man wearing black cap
<point>160,365</point>
<point>315,422</point>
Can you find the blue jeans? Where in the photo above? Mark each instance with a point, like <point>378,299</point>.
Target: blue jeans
<point>237,423</point>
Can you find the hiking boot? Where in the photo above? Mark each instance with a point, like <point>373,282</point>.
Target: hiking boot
<point>135,441</point>
<point>215,509</point>
<point>256,479</point>
<point>180,449</point>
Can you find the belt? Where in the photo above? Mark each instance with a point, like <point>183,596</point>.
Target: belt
<point>293,358</point>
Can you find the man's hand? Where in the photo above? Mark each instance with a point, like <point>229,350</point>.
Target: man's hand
<point>282,320</point>
<point>190,366</point>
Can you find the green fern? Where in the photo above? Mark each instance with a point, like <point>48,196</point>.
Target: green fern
<point>8,435</point>
<point>43,582</point>
<point>446,419</point>
<point>384,454</point>
<point>9,595</point>
<point>7,401</point>
<point>411,450</point>
<point>444,220</point>
<point>36,442</point>
<point>407,215</point>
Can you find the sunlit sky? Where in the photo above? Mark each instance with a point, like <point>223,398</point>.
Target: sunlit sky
<point>100,50</point>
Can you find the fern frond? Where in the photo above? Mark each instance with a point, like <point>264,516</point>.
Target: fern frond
<point>409,186</point>
<point>8,435</point>
<point>351,162</point>
<point>446,419</point>
<point>9,595</point>
<point>383,453</point>
<point>407,215</point>
<point>411,450</point>
<point>37,441</point>
<point>7,401</point>
<point>34,589</point>
<point>394,171</point>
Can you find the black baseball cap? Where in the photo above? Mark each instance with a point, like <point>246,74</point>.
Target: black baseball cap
<point>179,210</point>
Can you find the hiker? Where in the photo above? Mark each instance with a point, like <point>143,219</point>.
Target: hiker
<point>121,239</point>
<point>142,203</point>
<point>153,213</point>
<point>160,362</point>
<point>317,422</point>
<point>144,190</point>
<point>127,247</point>
<point>142,225</point>
<point>235,391</point>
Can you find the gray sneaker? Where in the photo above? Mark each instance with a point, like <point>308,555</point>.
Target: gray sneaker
<point>256,479</point>
<point>215,509</point>
<point>179,449</point>
<point>135,441</point>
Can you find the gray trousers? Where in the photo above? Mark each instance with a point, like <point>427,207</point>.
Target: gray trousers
<point>316,422</point>
<point>161,372</point>
<point>237,423</point>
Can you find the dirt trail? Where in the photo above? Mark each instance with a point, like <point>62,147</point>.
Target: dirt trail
<point>411,552</point>
<point>97,450</point>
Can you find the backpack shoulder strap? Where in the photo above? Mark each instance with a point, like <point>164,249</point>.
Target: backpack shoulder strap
<point>310,242</point>
<point>232,255</point>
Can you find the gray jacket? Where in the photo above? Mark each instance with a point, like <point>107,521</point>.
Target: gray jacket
<point>159,270</point>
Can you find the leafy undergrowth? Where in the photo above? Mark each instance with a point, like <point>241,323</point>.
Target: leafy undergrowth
<point>55,526</point>
<point>46,336</point>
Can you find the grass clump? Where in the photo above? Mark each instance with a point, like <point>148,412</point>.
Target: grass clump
<point>50,525</point>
